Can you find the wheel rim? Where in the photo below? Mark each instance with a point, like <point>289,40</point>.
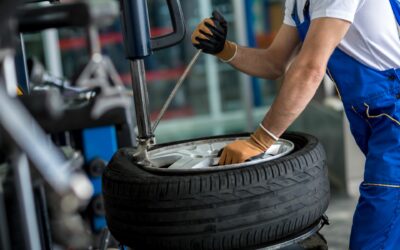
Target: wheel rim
<point>197,155</point>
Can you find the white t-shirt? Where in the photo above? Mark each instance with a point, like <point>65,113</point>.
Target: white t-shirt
<point>373,38</point>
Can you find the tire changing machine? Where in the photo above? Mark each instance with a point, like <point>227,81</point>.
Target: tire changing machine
<point>139,45</point>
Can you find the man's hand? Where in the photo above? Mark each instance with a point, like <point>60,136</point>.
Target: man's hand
<point>210,37</point>
<point>240,151</point>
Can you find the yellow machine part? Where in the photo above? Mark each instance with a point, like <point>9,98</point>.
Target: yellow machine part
<point>19,91</point>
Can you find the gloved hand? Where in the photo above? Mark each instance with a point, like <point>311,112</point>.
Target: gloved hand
<point>210,36</point>
<point>240,151</point>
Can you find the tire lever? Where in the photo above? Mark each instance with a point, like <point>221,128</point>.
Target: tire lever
<point>175,90</point>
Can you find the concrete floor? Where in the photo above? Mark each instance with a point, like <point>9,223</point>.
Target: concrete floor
<point>337,234</point>
<point>340,213</point>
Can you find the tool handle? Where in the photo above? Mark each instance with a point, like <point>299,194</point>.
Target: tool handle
<point>136,28</point>
<point>178,24</point>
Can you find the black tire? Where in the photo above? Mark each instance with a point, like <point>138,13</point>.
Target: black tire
<point>240,208</point>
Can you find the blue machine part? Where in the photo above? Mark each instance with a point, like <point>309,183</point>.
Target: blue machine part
<point>99,143</point>
<point>21,67</point>
<point>99,222</point>
<point>135,30</point>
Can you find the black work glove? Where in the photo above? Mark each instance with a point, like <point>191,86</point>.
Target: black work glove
<point>210,36</point>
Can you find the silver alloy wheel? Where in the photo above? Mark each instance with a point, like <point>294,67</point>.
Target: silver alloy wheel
<point>203,154</point>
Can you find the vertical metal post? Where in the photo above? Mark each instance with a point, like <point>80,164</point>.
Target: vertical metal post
<point>214,92</point>
<point>26,205</point>
<point>53,59</point>
<point>93,41</point>
<point>4,227</point>
<point>246,90</point>
<point>141,100</point>
<point>8,72</point>
<point>52,52</point>
<point>42,215</point>
<point>136,31</point>
<point>251,42</point>
<point>95,52</point>
<point>139,45</point>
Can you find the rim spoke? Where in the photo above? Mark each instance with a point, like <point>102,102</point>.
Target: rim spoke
<point>274,149</point>
<point>188,162</point>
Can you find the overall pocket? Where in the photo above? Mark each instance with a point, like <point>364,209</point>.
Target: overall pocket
<point>388,113</point>
<point>381,110</point>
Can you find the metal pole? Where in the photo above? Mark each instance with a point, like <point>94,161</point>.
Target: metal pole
<point>52,52</point>
<point>245,80</point>
<point>4,227</point>
<point>94,41</point>
<point>8,71</point>
<point>212,74</point>
<point>26,205</point>
<point>141,100</point>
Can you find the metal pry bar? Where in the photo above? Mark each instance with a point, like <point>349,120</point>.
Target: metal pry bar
<point>175,90</point>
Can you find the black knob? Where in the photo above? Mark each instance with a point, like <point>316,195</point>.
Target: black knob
<point>96,167</point>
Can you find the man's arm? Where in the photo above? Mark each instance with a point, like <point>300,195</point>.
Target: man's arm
<point>272,62</point>
<point>299,86</point>
<point>306,73</point>
<point>210,36</point>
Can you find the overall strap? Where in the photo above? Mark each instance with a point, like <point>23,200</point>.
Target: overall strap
<point>306,12</point>
<point>396,9</point>
<point>295,15</point>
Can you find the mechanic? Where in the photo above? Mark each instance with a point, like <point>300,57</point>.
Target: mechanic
<point>357,43</point>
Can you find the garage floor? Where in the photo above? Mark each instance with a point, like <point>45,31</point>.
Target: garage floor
<point>340,213</point>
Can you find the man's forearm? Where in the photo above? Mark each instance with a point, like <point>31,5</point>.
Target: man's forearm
<point>257,62</point>
<point>269,63</point>
<point>299,87</point>
<point>210,36</point>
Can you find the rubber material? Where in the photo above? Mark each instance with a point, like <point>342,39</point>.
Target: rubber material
<point>241,208</point>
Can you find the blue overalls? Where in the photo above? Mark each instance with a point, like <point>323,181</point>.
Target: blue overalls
<point>371,100</point>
